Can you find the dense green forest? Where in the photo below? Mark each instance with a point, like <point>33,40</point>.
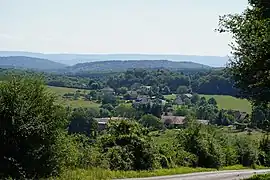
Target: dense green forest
<point>216,82</point>
<point>118,66</point>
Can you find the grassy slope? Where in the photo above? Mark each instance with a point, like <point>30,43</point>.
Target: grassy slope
<point>229,102</point>
<point>225,102</point>
<point>60,91</point>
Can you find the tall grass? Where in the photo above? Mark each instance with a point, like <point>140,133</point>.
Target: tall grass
<point>102,174</point>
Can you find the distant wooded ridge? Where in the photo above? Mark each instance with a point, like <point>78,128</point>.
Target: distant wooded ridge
<point>72,59</point>
<point>23,62</point>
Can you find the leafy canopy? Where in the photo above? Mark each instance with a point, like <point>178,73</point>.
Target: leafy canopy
<point>250,65</point>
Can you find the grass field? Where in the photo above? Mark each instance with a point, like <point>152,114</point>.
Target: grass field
<point>60,91</point>
<point>225,102</point>
<point>80,103</point>
<point>229,102</point>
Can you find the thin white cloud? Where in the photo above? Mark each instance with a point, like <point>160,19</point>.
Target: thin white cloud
<point>9,37</point>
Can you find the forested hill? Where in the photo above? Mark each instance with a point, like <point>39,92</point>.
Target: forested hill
<point>29,63</point>
<point>118,65</point>
<point>72,59</point>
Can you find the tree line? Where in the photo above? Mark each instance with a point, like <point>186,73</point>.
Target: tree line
<point>216,82</point>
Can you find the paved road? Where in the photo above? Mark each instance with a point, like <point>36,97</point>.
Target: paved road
<point>218,175</point>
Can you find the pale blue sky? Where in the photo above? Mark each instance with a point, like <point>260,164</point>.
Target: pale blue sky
<point>115,26</point>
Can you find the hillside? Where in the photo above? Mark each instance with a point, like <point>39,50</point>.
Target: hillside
<point>72,59</point>
<point>131,64</point>
<point>29,63</point>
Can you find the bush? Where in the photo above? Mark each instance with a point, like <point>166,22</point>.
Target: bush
<point>89,154</point>
<point>152,122</point>
<point>82,122</point>
<point>33,142</point>
<point>247,151</point>
<point>128,147</point>
<point>201,142</point>
<point>264,156</point>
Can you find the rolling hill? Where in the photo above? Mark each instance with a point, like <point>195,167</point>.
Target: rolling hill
<point>72,59</point>
<point>29,63</point>
<point>119,65</point>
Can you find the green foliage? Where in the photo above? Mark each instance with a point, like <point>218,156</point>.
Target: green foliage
<point>206,111</point>
<point>82,122</point>
<point>212,101</point>
<point>127,147</point>
<point>104,113</point>
<point>224,119</point>
<point>264,156</point>
<point>203,144</point>
<point>181,111</point>
<point>125,110</point>
<point>152,122</point>
<point>260,177</point>
<point>154,108</point>
<point>109,99</point>
<point>182,90</point>
<point>195,98</point>
<point>33,142</point>
<point>247,151</point>
<point>250,65</point>
<point>260,117</point>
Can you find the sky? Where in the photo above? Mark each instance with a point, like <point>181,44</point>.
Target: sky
<point>116,26</point>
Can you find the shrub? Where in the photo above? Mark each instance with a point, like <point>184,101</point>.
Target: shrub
<point>197,140</point>
<point>128,147</point>
<point>152,122</point>
<point>33,142</point>
<point>247,151</point>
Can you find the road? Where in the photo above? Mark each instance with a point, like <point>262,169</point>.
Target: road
<point>217,175</point>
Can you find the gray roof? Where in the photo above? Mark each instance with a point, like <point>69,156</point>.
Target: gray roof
<point>173,119</point>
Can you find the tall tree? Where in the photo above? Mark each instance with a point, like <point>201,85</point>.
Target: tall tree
<point>82,122</point>
<point>250,64</point>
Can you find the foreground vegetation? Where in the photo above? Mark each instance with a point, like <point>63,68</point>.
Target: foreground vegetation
<point>61,139</point>
<point>260,177</point>
<point>89,174</point>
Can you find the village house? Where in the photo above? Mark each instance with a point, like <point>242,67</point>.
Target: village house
<point>173,121</point>
<point>240,116</point>
<point>178,121</point>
